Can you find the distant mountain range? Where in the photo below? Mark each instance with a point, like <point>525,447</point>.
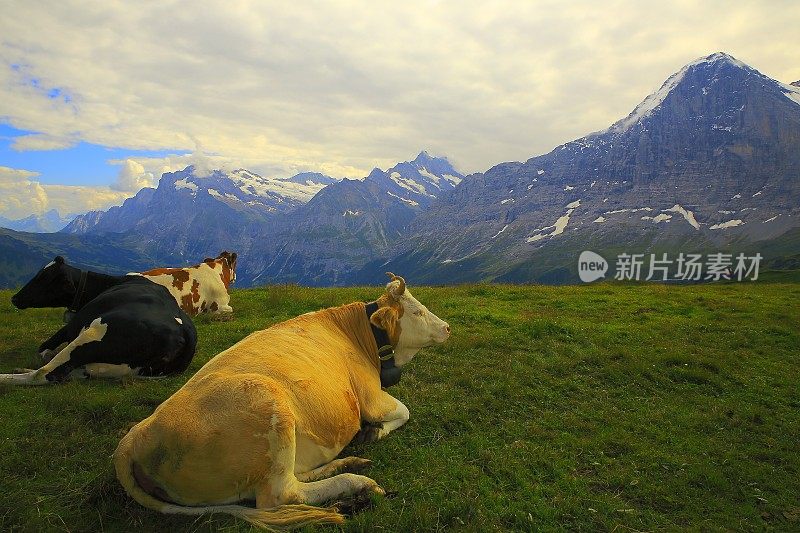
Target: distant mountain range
<point>49,222</point>
<point>709,162</point>
<point>310,228</point>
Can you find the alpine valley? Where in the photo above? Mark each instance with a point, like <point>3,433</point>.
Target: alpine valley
<point>708,163</point>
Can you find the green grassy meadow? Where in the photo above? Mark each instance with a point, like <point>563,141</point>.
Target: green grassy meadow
<point>596,407</point>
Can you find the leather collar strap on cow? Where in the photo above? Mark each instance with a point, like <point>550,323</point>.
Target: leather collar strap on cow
<point>390,374</point>
<point>76,302</point>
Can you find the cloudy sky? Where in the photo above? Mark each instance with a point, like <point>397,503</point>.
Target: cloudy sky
<point>97,99</point>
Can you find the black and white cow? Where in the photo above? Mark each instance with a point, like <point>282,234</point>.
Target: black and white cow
<point>122,326</point>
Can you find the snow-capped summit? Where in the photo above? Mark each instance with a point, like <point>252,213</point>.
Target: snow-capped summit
<point>301,187</point>
<point>312,178</point>
<point>249,188</point>
<point>183,193</point>
<point>418,182</point>
<point>700,75</point>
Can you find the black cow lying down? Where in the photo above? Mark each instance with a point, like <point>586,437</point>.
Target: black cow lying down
<point>122,326</point>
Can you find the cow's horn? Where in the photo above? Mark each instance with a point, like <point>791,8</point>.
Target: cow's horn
<point>400,288</point>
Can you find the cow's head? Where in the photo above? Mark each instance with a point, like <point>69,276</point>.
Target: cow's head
<point>409,324</point>
<point>52,286</point>
<point>228,262</point>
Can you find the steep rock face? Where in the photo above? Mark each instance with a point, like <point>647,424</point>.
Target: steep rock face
<point>116,219</point>
<point>710,159</point>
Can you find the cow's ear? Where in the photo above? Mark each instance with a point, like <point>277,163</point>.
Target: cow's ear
<point>59,260</point>
<point>233,258</point>
<point>387,318</point>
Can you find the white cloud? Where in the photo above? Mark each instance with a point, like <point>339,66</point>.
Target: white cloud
<point>19,196</point>
<point>22,195</point>
<point>133,177</point>
<point>40,141</point>
<point>346,86</point>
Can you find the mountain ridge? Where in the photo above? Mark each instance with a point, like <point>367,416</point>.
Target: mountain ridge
<point>711,157</point>
<point>709,161</point>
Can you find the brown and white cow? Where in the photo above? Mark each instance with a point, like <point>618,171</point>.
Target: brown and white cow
<point>199,288</point>
<point>265,419</point>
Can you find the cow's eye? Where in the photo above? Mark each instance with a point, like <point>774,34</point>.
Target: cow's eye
<point>418,312</point>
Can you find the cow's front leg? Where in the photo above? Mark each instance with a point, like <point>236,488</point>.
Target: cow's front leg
<point>48,348</point>
<point>60,366</point>
<point>389,415</point>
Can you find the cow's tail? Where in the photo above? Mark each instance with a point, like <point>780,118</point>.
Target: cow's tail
<point>277,518</point>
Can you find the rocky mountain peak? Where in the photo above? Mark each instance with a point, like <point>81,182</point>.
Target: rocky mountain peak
<point>418,182</point>
<point>312,178</point>
<point>706,77</point>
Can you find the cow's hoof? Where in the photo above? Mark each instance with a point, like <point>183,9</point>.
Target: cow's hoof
<point>356,464</point>
<point>59,375</point>
<point>361,500</point>
<point>368,433</point>
<point>377,490</point>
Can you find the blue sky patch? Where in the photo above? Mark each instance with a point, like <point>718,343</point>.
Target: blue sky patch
<point>82,164</point>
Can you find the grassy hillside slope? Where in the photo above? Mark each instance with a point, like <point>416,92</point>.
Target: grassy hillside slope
<point>586,407</point>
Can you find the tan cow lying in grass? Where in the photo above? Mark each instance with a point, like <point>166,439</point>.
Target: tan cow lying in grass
<point>265,419</point>
<point>199,288</point>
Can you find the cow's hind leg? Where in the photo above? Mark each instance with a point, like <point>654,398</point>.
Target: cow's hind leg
<point>337,466</point>
<point>282,486</point>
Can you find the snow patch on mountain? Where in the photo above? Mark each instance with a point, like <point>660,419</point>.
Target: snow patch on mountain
<point>253,184</point>
<point>408,184</point>
<point>406,200</point>
<point>501,231</point>
<point>688,215</point>
<point>220,196</point>
<point>559,226</point>
<point>791,92</point>
<point>728,224</point>
<point>433,177</point>
<point>186,184</point>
